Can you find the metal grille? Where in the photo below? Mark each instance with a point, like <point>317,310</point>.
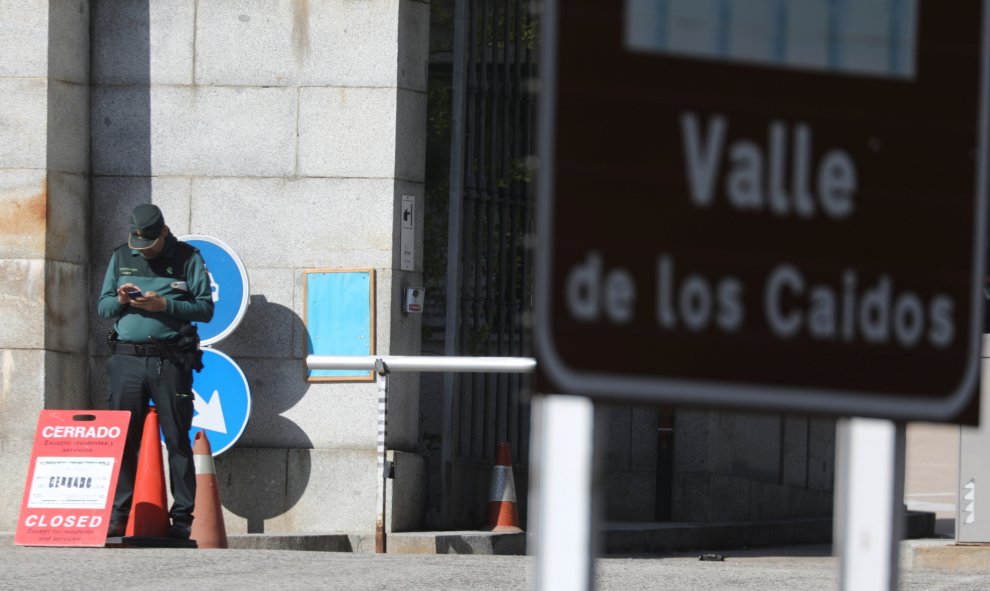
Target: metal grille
<point>495,282</point>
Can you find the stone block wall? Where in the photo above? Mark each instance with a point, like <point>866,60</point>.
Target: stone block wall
<point>44,225</point>
<point>727,466</point>
<point>289,129</point>
<point>733,466</point>
<point>629,461</point>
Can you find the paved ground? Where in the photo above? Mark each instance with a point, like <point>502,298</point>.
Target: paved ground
<point>799,567</point>
<point>932,463</point>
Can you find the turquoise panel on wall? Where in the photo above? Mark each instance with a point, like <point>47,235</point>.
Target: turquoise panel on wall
<point>339,318</point>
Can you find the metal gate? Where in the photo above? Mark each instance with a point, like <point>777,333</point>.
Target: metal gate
<point>491,212</point>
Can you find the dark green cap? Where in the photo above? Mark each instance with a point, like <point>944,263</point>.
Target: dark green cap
<point>146,224</point>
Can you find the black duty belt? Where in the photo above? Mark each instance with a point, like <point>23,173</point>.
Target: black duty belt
<point>151,350</point>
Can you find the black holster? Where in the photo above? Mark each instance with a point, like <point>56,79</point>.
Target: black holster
<point>190,356</point>
<point>112,340</point>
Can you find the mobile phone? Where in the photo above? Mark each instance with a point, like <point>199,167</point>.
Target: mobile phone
<point>133,294</point>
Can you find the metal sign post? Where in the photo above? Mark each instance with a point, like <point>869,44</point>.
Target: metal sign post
<point>869,503</point>
<point>565,522</point>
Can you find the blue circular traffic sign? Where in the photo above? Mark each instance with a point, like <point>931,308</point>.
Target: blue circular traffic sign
<point>222,401</point>
<point>228,284</point>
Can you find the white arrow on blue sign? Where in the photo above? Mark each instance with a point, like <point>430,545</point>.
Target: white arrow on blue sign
<point>229,284</point>
<point>222,401</point>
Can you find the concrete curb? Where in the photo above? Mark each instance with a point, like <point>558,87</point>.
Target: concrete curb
<point>945,555</point>
<point>330,542</point>
<point>462,542</point>
<point>480,543</point>
<point>661,537</point>
<point>658,538</point>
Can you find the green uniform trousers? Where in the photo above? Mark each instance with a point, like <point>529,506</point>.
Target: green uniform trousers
<point>133,380</point>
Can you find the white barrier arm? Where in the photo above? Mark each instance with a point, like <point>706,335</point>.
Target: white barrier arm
<point>424,363</point>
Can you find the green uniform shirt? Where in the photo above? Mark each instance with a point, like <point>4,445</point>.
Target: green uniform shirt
<point>178,274</point>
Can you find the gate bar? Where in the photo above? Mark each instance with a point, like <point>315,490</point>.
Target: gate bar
<point>382,365</point>
<point>424,363</point>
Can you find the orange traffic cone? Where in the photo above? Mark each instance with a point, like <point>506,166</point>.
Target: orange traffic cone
<point>149,517</point>
<point>502,513</point>
<point>207,529</point>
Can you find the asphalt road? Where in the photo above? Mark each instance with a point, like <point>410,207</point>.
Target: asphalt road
<point>148,569</point>
<point>932,457</point>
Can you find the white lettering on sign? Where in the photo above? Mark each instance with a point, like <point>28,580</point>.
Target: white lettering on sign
<point>783,178</point>
<point>589,293</point>
<point>100,432</point>
<point>697,301</point>
<point>873,313</point>
<point>756,177</point>
<point>846,310</point>
<point>43,520</point>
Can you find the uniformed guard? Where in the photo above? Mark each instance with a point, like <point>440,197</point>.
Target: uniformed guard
<point>155,286</point>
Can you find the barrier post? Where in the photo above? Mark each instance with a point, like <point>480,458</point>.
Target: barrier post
<point>381,378</point>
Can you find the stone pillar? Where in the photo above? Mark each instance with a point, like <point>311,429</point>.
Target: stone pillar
<point>44,225</point>
<point>289,129</point>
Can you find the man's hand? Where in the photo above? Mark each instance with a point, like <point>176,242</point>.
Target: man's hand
<point>122,296</point>
<point>151,302</point>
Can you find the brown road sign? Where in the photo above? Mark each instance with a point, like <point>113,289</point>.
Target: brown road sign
<point>780,211</point>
